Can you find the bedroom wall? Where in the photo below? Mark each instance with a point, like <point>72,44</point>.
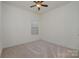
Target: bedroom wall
<point>61,26</point>
<point>0,24</point>
<point>0,29</point>
<point>58,26</point>
<point>16,26</point>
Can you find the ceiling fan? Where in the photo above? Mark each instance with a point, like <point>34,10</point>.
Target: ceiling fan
<point>39,4</point>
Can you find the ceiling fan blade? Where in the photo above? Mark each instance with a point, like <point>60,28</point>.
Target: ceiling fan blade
<point>35,1</point>
<point>41,1</point>
<point>44,5</point>
<point>38,1</point>
<point>38,8</point>
<point>32,6</point>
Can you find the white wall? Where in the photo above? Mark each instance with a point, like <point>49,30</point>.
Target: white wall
<point>16,26</point>
<point>61,26</point>
<point>0,29</point>
<point>0,25</point>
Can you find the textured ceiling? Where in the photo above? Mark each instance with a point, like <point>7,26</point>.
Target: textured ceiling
<point>25,5</point>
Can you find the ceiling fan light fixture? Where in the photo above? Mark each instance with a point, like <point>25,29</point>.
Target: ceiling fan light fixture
<point>38,5</point>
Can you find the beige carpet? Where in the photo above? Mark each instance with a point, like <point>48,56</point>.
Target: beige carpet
<point>38,49</point>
